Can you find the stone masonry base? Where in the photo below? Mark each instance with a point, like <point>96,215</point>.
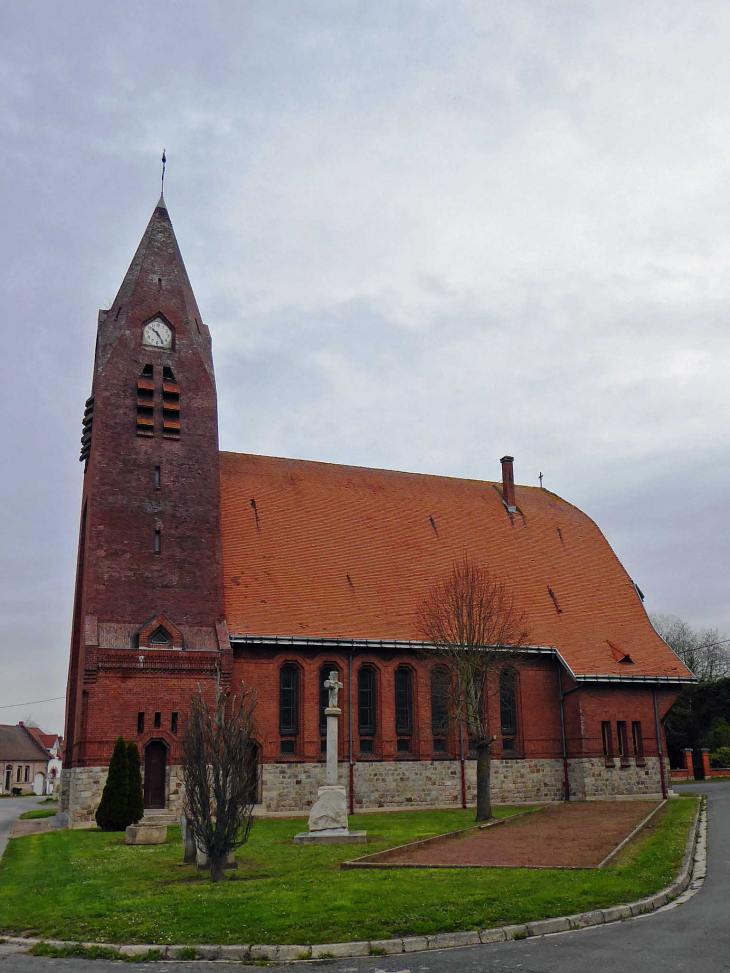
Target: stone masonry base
<point>292,786</point>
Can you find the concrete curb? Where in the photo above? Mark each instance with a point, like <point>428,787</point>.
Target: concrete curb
<point>410,944</point>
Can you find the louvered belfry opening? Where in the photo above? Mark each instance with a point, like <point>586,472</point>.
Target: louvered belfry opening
<point>170,404</point>
<point>146,402</point>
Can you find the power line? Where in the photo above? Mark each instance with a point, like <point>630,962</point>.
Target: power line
<point>33,702</point>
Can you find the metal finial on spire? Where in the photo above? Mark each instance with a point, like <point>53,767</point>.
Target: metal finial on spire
<point>541,478</point>
<point>164,161</point>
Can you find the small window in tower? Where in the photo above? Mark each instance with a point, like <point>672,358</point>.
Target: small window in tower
<point>158,720</point>
<point>158,541</point>
<point>158,478</point>
<point>173,722</point>
<point>140,723</point>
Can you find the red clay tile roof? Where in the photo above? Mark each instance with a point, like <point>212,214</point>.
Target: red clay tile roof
<point>286,561</point>
<point>45,739</point>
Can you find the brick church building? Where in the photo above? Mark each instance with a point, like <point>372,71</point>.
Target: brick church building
<point>195,562</point>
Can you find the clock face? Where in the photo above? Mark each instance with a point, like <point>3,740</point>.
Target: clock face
<point>157,334</point>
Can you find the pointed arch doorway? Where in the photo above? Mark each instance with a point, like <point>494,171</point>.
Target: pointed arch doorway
<point>155,773</point>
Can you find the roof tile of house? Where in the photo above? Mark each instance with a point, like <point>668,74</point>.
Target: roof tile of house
<point>320,550</point>
<point>17,743</point>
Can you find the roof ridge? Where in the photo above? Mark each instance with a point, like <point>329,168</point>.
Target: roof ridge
<point>380,469</point>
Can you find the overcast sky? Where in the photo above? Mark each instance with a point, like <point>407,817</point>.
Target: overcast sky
<point>423,234</point>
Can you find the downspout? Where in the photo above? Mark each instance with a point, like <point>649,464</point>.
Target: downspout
<point>349,732</point>
<point>461,752</point>
<point>659,747</point>
<point>561,697</point>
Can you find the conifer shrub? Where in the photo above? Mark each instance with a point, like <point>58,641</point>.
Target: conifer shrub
<point>135,797</point>
<point>111,815</point>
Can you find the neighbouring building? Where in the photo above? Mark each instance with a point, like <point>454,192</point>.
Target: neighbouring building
<point>23,761</point>
<point>195,562</point>
<point>53,745</point>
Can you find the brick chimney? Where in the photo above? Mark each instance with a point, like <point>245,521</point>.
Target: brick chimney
<point>508,481</point>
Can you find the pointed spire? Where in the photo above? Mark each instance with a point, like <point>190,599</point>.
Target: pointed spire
<point>155,281</point>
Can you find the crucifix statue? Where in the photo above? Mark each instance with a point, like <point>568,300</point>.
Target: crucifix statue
<point>334,686</point>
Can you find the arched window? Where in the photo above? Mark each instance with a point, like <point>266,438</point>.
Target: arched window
<point>324,700</point>
<point>508,707</point>
<point>288,706</point>
<point>440,683</point>
<point>403,708</point>
<point>366,714</point>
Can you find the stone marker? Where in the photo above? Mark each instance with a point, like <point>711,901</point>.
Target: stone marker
<point>190,851</point>
<point>328,817</point>
<point>146,834</point>
<point>203,861</point>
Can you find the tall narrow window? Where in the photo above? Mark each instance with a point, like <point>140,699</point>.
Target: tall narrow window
<point>607,739</point>
<point>140,722</point>
<point>288,701</point>
<point>158,541</point>
<point>508,702</point>
<point>366,715</point>
<point>403,700</point>
<point>27,774</point>
<point>324,701</point>
<point>638,740</point>
<point>20,774</point>
<point>623,743</point>
<point>158,720</point>
<point>173,722</point>
<point>158,478</point>
<point>440,708</point>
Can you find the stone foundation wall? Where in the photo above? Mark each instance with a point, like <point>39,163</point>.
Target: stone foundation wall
<point>591,779</point>
<point>389,784</point>
<point>293,786</point>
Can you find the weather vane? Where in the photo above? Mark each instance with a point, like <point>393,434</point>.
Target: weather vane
<point>540,478</point>
<point>164,160</point>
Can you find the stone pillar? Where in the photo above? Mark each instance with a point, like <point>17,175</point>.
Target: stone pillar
<point>190,851</point>
<point>688,762</point>
<point>706,761</point>
<point>332,713</point>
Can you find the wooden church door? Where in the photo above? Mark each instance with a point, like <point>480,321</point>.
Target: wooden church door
<point>155,763</point>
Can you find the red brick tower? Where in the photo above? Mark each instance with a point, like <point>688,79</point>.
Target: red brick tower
<point>148,614</point>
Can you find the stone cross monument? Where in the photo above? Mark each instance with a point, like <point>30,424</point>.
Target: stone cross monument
<point>332,713</point>
<point>328,817</point>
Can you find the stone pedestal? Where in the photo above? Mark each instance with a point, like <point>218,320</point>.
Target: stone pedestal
<point>146,834</point>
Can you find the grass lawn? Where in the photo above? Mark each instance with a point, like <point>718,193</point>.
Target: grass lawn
<point>41,812</point>
<point>88,885</point>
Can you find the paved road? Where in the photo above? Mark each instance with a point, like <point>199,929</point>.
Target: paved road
<point>693,937</point>
<point>10,808</point>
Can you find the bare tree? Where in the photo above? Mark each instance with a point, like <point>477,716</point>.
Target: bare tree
<point>220,773</point>
<point>705,651</point>
<point>472,626</point>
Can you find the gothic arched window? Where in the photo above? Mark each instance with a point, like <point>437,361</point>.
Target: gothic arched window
<point>366,708</point>
<point>508,707</point>
<point>440,683</point>
<point>288,706</point>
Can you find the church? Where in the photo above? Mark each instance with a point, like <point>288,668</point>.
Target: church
<point>196,565</point>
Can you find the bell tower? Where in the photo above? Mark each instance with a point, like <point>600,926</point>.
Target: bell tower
<point>148,614</point>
